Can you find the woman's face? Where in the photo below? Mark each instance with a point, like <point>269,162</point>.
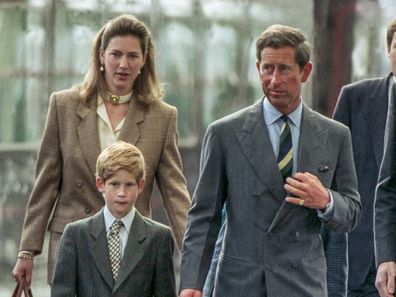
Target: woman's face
<point>122,60</point>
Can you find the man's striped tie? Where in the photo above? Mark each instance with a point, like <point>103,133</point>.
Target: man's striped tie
<point>285,156</point>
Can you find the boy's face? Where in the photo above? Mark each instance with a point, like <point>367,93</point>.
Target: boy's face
<point>120,192</point>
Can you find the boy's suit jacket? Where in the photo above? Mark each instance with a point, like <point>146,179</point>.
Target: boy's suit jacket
<point>83,264</point>
<point>363,106</point>
<point>271,247</point>
<point>65,182</point>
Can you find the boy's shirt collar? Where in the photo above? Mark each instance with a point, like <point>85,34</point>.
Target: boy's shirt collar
<point>126,220</point>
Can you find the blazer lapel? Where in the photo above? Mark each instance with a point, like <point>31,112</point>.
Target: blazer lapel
<point>88,132</point>
<point>130,132</point>
<point>257,148</point>
<point>99,249</point>
<point>313,140</point>
<point>133,251</point>
<point>378,102</point>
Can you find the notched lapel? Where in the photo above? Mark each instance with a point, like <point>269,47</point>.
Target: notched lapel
<point>88,133</point>
<point>99,248</point>
<point>133,250</point>
<point>257,148</point>
<point>130,132</point>
<point>378,107</point>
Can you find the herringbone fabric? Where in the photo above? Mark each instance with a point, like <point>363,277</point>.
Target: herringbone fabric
<point>285,156</point>
<point>114,243</point>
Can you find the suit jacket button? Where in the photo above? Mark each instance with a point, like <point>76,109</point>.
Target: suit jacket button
<point>295,265</point>
<point>79,184</point>
<point>88,210</point>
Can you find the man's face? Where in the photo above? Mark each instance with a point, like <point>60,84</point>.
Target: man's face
<point>281,77</point>
<point>392,54</point>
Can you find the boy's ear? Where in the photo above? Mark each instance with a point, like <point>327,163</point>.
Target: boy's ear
<point>100,184</point>
<point>141,184</point>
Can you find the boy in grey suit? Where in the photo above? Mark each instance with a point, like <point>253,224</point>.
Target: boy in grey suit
<point>117,252</point>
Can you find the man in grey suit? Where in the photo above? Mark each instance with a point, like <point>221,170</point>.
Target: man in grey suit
<point>385,203</point>
<point>272,245</point>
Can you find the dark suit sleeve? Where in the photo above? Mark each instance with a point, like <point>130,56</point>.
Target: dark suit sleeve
<point>65,275</point>
<point>385,197</point>
<point>164,280</point>
<point>335,246</point>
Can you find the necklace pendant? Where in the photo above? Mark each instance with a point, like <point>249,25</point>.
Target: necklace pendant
<point>114,99</point>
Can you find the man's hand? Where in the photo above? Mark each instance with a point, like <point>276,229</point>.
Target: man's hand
<point>190,293</point>
<point>23,269</point>
<point>309,190</point>
<point>385,281</point>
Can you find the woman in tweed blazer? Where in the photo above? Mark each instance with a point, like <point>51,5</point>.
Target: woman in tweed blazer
<point>119,99</point>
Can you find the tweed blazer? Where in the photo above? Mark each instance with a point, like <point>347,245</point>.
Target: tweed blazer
<point>271,248</point>
<point>65,189</point>
<point>83,265</point>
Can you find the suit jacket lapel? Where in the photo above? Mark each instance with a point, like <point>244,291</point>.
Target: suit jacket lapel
<point>88,132</point>
<point>133,250</point>
<point>378,102</point>
<point>313,140</point>
<point>99,248</point>
<point>257,147</point>
<point>130,132</point>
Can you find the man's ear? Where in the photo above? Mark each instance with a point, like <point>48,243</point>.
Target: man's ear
<point>100,183</point>
<point>306,71</point>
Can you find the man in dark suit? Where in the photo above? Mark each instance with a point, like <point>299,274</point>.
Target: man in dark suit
<point>272,245</point>
<point>117,252</point>
<point>363,107</point>
<point>385,205</point>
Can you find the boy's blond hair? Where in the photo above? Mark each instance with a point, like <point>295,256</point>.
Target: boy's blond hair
<point>121,155</point>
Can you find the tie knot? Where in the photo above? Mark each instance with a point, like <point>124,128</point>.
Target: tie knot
<point>116,226</point>
<point>284,118</point>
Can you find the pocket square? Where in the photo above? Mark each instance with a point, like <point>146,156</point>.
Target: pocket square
<point>324,168</point>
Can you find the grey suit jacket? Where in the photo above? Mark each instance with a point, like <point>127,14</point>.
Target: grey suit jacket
<point>65,183</point>
<point>83,265</point>
<point>271,248</point>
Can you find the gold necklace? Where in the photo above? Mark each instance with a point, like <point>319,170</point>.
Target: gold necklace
<point>115,99</point>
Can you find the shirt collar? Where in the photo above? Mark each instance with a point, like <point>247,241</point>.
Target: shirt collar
<point>126,220</point>
<point>271,114</point>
